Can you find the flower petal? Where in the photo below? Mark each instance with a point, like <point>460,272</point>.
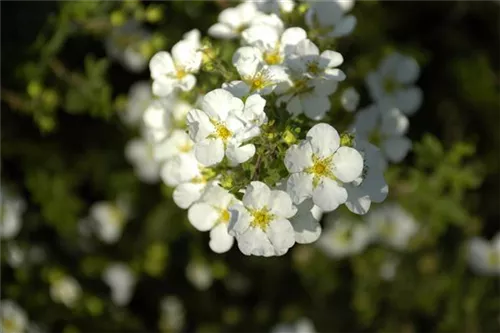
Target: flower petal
<point>220,240</point>
<point>240,154</point>
<point>315,106</point>
<point>219,103</point>
<point>328,195</point>
<point>281,204</point>
<point>203,216</point>
<point>396,148</point>
<point>255,242</point>
<point>300,186</point>
<point>161,64</point>
<point>299,157</point>
<point>185,194</point>
<point>281,235</point>
<point>306,222</point>
<point>324,139</point>
<point>347,164</point>
<point>209,151</point>
<point>257,195</point>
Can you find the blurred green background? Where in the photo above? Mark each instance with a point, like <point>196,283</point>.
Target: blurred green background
<point>62,149</point>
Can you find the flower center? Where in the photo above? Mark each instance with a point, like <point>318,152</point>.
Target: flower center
<point>261,218</point>
<point>221,131</point>
<point>258,82</point>
<point>320,168</point>
<point>273,57</point>
<point>9,325</point>
<point>493,259</point>
<point>117,216</point>
<point>186,147</point>
<point>390,85</point>
<point>313,68</point>
<point>181,73</point>
<point>344,236</point>
<point>225,216</point>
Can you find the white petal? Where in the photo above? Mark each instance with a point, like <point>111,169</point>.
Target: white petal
<point>347,164</point>
<point>350,99</point>
<point>407,71</point>
<point>328,195</point>
<point>330,59</point>
<point>324,139</point>
<point>241,154</point>
<point>257,195</point>
<point>409,100</point>
<point>161,64</point>
<point>291,37</point>
<point>186,56</point>
<point>199,125</point>
<point>358,201</point>
<point>306,48</point>
<point>281,235</point>
<point>300,186</point>
<point>219,30</point>
<point>299,157</point>
<point>254,108</point>
<point>237,88</point>
<point>163,86</point>
<point>366,121</point>
<point>344,27</point>
<point>294,106</point>
<point>219,103</point>
<point>306,223</point>
<point>187,83</point>
<point>240,220</point>
<point>247,61</point>
<point>255,242</point>
<point>202,216</point>
<point>185,194</point>
<point>315,106</point>
<point>396,148</point>
<point>209,151</point>
<point>281,204</point>
<point>220,240</point>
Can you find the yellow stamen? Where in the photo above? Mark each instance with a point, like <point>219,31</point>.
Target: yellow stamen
<point>181,73</point>
<point>320,168</point>
<point>186,147</point>
<point>221,131</point>
<point>261,218</point>
<point>390,85</point>
<point>313,68</point>
<point>225,216</point>
<point>273,57</point>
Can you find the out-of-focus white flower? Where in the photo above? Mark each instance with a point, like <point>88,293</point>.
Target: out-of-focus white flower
<point>11,210</point>
<point>233,21</point>
<point>319,166</point>
<point>350,99</point>
<point>16,255</point>
<point>343,237</point>
<point>163,116</point>
<point>484,256</point>
<point>139,152</point>
<point>65,290</point>
<point>13,318</point>
<point>256,76</point>
<point>120,278</point>
<point>274,6</point>
<point>194,37</point>
<point>394,81</point>
<point>370,186</point>
<point>177,143</point>
<point>175,71</point>
<point>199,274</point>
<point>109,219</point>
<point>223,125</point>
<point>328,18</point>
<point>211,212</point>
<point>388,269</point>
<point>124,44</point>
<point>139,99</point>
<point>303,325</point>
<point>261,223</point>
<point>172,315</point>
<point>385,127</point>
<point>391,225</point>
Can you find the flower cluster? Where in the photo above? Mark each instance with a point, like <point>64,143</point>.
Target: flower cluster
<point>247,142</point>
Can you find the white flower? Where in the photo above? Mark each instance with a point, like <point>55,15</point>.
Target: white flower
<point>370,186</point>
<point>13,318</point>
<point>65,290</point>
<point>350,99</point>
<point>172,314</point>
<point>16,255</point>
<point>139,99</point>
<point>303,325</point>
<point>329,20</point>
<point>388,269</point>
<point>256,76</point>
<point>343,237</point>
<point>177,143</point>
<point>268,36</point>
<point>274,6</point>
<point>319,165</point>
<point>394,82</point>
<point>211,212</point>
<point>484,256</point>
<point>163,116</point>
<point>120,278</point>
<point>124,45</point>
<point>261,223</point>
<point>232,21</point>
<point>11,210</point>
<point>322,68</point>
<point>109,219</point>
<point>223,124</point>
<point>194,37</point>
<point>392,225</point>
<point>385,127</point>
<point>139,152</point>
<point>199,274</point>
<point>172,72</point>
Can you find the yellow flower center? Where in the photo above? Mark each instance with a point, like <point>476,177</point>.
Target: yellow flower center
<point>225,216</point>
<point>221,131</point>
<point>186,147</point>
<point>300,85</point>
<point>344,236</point>
<point>9,325</point>
<point>273,57</point>
<point>117,216</point>
<point>313,68</point>
<point>257,82</point>
<point>261,218</point>
<point>390,85</point>
<point>386,229</point>
<point>493,259</point>
<point>181,73</point>
<point>320,168</point>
